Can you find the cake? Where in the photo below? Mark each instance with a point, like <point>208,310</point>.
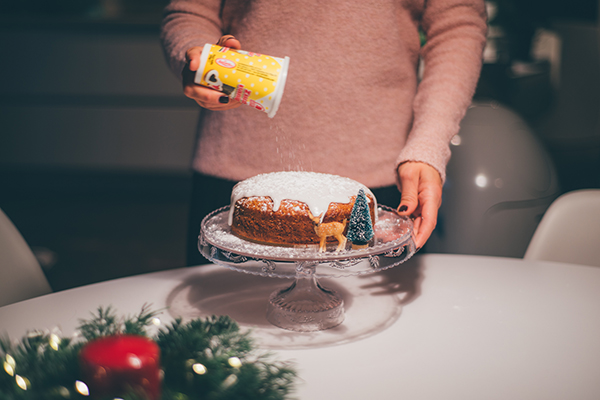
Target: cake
<point>294,208</point>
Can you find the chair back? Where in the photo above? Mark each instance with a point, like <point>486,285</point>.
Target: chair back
<point>570,230</point>
<point>21,276</point>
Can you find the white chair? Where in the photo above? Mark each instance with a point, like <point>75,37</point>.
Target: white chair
<point>21,276</point>
<point>570,230</point>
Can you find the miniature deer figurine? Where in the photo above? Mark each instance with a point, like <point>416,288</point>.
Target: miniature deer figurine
<point>325,230</point>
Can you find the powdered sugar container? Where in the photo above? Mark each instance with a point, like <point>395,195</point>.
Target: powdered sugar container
<point>256,80</point>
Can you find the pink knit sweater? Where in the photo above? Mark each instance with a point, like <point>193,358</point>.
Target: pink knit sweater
<point>352,104</point>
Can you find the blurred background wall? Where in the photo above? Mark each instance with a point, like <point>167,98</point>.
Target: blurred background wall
<point>84,85</point>
<point>532,132</point>
<point>542,61</point>
<point>96,136</point>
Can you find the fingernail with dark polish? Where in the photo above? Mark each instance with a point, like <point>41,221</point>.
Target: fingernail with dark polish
<point>223,99</point>
<point>403,208</point>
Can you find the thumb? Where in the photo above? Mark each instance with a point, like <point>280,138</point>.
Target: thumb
<point>409,186</point>
<point>192,56</point>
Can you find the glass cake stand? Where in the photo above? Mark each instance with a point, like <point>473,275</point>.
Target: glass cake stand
<point>306,306</point>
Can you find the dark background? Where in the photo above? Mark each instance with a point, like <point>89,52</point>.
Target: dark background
<point>96,138</point>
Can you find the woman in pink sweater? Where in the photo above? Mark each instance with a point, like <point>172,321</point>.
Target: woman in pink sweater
<point>353,104</point>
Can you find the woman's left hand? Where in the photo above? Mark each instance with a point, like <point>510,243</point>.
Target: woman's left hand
<point>421,187</point>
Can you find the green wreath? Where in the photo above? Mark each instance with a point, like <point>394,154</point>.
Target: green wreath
<point>43,365</point>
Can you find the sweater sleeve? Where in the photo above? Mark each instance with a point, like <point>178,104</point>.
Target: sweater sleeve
<point>189,23</point>
<point>456,35</point>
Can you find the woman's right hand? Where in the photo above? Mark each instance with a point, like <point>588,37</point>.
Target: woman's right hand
<point>206,97</point>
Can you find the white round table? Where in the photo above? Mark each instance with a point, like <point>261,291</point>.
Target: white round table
<point>435,327</point>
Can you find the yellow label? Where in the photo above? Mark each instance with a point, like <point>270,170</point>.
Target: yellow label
<point>248,77</point>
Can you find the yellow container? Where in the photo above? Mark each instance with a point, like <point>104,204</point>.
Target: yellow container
<point>253,79</point>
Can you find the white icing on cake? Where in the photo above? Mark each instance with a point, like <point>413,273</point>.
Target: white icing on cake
<point>315,189</point>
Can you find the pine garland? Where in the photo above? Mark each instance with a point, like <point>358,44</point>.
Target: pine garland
<point>206,359</point>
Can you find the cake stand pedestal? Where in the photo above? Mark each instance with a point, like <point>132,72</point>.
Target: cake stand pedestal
<point>307,306</point>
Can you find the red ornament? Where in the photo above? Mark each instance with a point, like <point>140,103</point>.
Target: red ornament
<point>114,365</point>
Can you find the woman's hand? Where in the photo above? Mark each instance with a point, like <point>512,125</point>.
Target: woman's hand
<point>206,97</point>
<point>421,187</point>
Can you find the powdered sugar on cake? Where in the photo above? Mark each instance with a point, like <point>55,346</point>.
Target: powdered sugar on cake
<point>315,189</point>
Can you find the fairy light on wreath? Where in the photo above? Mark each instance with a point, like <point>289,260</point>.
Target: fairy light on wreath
<point>22,382</point>
<point>9,365</point>
<point>199,369</point>
<point>54,341</point>
<point>82,388</point>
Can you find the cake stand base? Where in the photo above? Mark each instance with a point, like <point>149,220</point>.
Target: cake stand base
<point>305,306</point>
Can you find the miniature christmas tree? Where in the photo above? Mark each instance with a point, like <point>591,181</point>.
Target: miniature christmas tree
<point>360,229</point>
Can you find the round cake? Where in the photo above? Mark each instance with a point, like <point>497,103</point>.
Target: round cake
<point>296,208</point>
